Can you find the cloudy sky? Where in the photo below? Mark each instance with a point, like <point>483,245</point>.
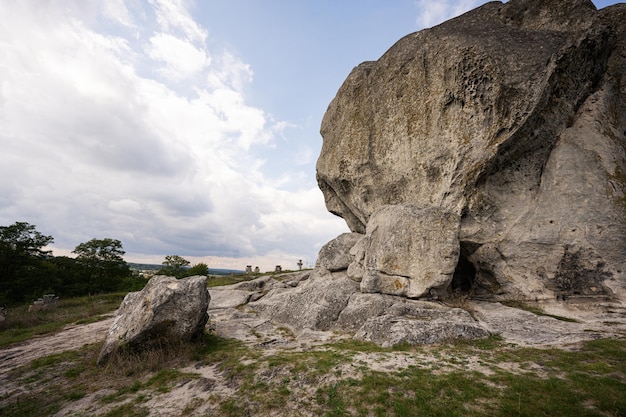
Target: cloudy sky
<point>183,127</point>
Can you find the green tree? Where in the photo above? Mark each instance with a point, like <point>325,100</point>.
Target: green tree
<point>198,269</point>
<point>21,253</point>
<point>174,266</point>
<point>105,267</point>
<point>69,276</point>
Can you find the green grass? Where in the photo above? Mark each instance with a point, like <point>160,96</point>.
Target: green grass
<point>588,381</point>
<point>53,381</point>
<point>21,324</point>
<point>329,380</point>
<point>219,280</point>
<point>128,410</point>
<point>164,379</point>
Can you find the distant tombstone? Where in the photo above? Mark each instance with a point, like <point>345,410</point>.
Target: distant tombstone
<point>248,269</point>
<point>279,268</point>
<point>257,270</point>
<point>48,301</point>
<point>300,264</point>
<point>36,305</point>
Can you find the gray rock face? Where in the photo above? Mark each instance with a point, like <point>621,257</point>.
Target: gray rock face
<point>167,309</point>
<point>315,305</point>
<point>409,251</point>
<point>331,301</point>
<point>510,123</point>
<point>360,308</point>
<point>420,323</point>
<point>335,255</point>
<point>329,307</point>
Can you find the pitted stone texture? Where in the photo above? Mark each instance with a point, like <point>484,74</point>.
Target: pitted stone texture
<point>331,301</point>
<point>361,307</point>
<point>356,269</point>
<point>511,116</point>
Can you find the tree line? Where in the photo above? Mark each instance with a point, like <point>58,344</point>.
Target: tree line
<point>27,271</point>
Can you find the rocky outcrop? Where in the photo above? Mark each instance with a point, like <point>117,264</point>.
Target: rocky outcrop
<point>487,156</point>
<point>420,323</point>
<point>166,310</point>
<point>332,301</point>
<point>315,305</point>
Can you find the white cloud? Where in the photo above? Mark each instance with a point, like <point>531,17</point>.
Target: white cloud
<point>172,15</point>
<point>431,13</point>
<point>230,73</point>
<point>127,206</point>
<point>95,147</point>
<point>181,58</point>
<point>117,11</point>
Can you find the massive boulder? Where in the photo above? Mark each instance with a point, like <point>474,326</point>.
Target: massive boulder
<point>167,310</point>
<point>509,122</point>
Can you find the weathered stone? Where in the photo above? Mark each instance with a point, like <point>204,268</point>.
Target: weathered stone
<point>229,298</point>
<point>335,255</point>
<point>235,295</point>
<point>526,328</point>
<point>356,269</point>
<point>409,251</point>
<point>166,310</point>
<point>315,305</point>
<point>331,301</point>
<point>485,157</point>
<point>360,308</point>
<point>265,283</point>
<point>295,278</point>
<point>420,323</point>
<point>511,117</point>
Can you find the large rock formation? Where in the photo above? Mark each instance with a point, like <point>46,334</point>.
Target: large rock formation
<point>166,310</point>
<point>332,301</point>
<point>487,155</point>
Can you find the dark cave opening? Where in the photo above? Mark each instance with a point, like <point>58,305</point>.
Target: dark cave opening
<point>464,274</point>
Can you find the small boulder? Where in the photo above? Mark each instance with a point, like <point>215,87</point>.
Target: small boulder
<point>335,255</point>
<point>167,309</point>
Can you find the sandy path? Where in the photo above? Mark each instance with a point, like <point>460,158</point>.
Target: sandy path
<point>70,338</point>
